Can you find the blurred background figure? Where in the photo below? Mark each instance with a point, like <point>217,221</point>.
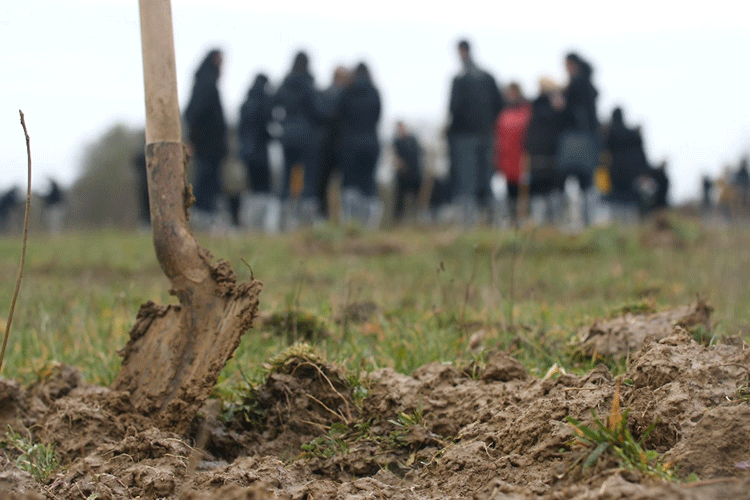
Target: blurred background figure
<point>628,169</point>
<point>207,136</point>
<point>656,182</point>
<point>261,209</point>
<point>8,202</point>
<point>742,185</point>
<point>475,102</point>
<point>329,136</point>
<point>138,161</point>
<point>299,118</point>
<point>359,110</point>
<point>578,153</point>
<point>408,167</point>
<point>53,207</point>
<point>510,135</point>
<point>707,196</point>
<point>540,144</point>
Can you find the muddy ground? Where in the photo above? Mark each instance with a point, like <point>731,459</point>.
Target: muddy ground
<point>489,431</point>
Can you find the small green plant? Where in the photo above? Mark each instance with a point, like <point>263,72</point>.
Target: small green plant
<point>37,459</point>
<point>701,335</point>
<point>743,392</point>
<point>614,437</point>
<point>329,445</point>
<point>404,422</point>
<point>248,408</point>
<point>637,307</point>
<point>360,389</point>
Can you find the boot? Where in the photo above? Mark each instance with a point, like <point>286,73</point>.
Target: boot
<point>272,215</point>
<point>251,211</point>
<point>375,210</point>
<point>350,202</point>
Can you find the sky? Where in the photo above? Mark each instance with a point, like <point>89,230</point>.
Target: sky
<point>681,73</point>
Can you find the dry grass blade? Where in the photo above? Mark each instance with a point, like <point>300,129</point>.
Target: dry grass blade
<point>615,417</point>
<point>25,239</point>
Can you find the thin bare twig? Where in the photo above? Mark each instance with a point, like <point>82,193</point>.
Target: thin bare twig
<point>25,239</point>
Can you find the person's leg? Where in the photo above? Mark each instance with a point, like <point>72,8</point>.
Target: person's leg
<point>233,201</point>
<point>589,197</point>
<point>513,203</point>
<point>292,186</point>
<point>349,192</point>
<point>375,208</point>
<point>398,212</point>
<point>326,165</point>
<point>259,174</point>
<point>485,171</point>
<point>466,160</point>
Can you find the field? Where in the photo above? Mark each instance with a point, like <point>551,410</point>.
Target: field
<point>399,364</point>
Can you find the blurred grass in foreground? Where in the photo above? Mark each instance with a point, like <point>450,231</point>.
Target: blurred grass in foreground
<point>393,298</point>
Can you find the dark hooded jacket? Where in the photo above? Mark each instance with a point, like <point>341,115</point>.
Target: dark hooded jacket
<point>207,129</point>
<point>408,149</point>
<point>545,125</point>
<point>580,101</point>
<point>359,111</point>
<point>297,97</point>
<point>475,102</point>
<point>625,146</point>
<point>255,115</point>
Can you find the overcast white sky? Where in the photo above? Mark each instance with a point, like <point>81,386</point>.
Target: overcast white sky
<point>679,70</point>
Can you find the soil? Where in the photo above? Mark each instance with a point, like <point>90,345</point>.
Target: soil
<point>619,337</point>
<point>488,432</point>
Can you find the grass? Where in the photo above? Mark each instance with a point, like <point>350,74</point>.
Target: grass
<point>37,459</point>
<point>432,291</point>
<point>614,437</point>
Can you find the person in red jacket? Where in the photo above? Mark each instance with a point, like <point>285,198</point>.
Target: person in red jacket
<point>510,133</point>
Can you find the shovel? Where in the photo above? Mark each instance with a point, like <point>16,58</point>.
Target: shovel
<point>175,352</point>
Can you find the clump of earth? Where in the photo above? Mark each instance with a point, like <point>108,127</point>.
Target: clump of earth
<point>489,431</point>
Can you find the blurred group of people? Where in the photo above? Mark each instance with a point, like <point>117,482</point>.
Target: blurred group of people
<point>536,146</point>
<point>320,132</point>
<point>52,213</point>
<point>728,196</point>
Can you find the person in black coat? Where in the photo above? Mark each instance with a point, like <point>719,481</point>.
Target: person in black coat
<point>53,207</point>
<point>475,103</point>
<point>628,161</point>
<point>207,132</point>
<point>329,134</point>
<point>296,97</point>
<point>660,198</point>
<point>359,111</point>
<point>261,206</point>
<point>580,115</point>
<point>580,95</point>
<point>408,166</point>
<point>543,136</point>
<point>540,144</point>
<point>255,115</point>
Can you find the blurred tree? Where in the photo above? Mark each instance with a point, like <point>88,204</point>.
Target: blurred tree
<point>105,193</point>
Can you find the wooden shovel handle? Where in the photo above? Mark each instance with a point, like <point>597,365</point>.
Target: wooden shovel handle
<point>159,72</point>
<point>176,249</point>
